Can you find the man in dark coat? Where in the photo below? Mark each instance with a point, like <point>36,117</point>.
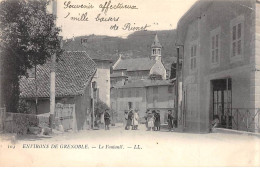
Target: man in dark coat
<point>130,118</point>
<point>157,121</point>
<point>107,119</point>
<point>170,120</point>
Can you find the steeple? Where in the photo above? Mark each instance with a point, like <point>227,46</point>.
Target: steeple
<point>156,49</point>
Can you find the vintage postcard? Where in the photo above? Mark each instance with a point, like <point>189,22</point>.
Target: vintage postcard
<point>129,83</point>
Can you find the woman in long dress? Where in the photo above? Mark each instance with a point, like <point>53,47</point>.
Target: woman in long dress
<point>135,120</point>
<point>150,119</point>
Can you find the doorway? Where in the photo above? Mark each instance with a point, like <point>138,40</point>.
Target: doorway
<point>222,101</point>
<point>130,105</point>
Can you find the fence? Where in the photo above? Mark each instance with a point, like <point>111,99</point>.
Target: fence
<point>245,119</point>
<point>65,115</point>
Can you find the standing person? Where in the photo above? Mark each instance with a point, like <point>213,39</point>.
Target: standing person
<point>150,119</point>
<point>129,119</point>
<point>170,120</point>
<point>146,118</point>
<point>107,119</point>
<point>135,120</point>
<point>157,121</point>
<point>175,120</point>
<point>125,120</point>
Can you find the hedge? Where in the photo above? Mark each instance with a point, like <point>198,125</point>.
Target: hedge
<point>20,123</point>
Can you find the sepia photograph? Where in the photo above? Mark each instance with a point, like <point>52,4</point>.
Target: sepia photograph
<point>129,83</point>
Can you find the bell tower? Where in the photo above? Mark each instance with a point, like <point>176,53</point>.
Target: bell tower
<point>156,49</point>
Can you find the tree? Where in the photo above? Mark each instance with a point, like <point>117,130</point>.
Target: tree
<point>29,37</point>
<point>173,71</point>
<point>100,108</point>
<point>155,77</point>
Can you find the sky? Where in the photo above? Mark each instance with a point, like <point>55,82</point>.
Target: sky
<point>149,14</point>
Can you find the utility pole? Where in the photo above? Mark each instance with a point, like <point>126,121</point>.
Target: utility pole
<point>53,75</point>
<point>177,85</point>
<point>36,89</point>
<point>182,80</point>
<point>94,89</point>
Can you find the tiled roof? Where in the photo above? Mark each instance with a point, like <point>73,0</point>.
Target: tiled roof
<point>146,83</point>
<point>73,73</point>
<point>135,64</point>
<point>117,75</point>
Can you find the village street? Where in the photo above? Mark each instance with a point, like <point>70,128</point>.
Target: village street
<point>120,147</point>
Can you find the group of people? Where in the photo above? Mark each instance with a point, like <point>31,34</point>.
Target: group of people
<point>131,119</point>
<point>153,120</point>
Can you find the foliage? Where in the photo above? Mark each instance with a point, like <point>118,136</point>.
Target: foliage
<point>22,122</point>
<point>28,37</point>
<point>137,44</point>
<point>23,107</point>
<point>155,77</point>
<point>173,71</point>
<point>100,108</point>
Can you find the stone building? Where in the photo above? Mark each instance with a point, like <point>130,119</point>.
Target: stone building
<point>221,64</point>
<point>102,76</point>
<point>74,73</point>
<point>139,68</point>
<point>143,95</point>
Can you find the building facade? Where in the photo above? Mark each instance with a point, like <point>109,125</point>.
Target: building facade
<point>102,79</point>
<point>102,76</point>
<point>74,73</point>
<point>143,95</point>
<point>220,68</point>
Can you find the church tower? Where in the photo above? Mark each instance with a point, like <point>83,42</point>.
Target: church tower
<point>156,49</point>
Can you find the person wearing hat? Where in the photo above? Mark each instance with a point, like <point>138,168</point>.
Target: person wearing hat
<point>157,121</point>
<point>129,119</point>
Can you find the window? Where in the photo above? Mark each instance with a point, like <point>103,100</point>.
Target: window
<point>137,105</point>
<point>129,93</point>
<point>154,51</point>
<point>159,51</point>
<point>215,46</point>
<point>121,93</point>
<point>193,54</point>
<point>121,106</point>
<point>170,89</point>
<point>137,94</point>
<point>236,27</point>
<point>155,90</point>
<point>155,96</point>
